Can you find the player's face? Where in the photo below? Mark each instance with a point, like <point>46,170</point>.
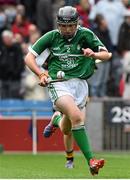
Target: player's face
<point>67,30</point>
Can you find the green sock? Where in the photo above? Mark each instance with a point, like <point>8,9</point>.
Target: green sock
<point>56,120</point>
<point>82,140</point>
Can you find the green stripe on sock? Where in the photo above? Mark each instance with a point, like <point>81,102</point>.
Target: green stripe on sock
<point>82,140</point>
<point>56,120</point>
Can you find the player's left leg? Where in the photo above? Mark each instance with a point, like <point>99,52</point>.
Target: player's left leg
<point>79,131</point>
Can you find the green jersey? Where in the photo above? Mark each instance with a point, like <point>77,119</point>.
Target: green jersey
<point>67,55</point>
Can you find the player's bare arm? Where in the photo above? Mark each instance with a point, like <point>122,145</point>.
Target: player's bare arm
<point>30,61</point>
<point>102,55</point>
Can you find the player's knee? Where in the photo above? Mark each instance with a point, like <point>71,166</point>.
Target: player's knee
<point>76,119</point>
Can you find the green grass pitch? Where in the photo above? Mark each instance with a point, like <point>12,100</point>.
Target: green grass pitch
<point>51,165</point>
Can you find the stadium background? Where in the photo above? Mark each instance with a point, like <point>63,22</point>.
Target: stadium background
<point>24,113</point>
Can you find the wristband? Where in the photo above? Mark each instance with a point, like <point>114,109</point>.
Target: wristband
<point>43,74</point>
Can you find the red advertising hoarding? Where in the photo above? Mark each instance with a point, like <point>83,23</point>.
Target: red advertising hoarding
<point>16,135</point>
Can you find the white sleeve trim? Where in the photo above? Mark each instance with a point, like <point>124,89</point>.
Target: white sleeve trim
<point>102,48</point>
<point>42,57</point>
<point>32,51</point>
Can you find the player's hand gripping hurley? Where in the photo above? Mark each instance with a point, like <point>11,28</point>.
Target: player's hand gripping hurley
<point>45,79</point>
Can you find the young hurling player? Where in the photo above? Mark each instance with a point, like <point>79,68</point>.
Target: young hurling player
<point>73,50</point>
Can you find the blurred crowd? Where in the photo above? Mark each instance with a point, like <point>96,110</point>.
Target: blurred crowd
<point>22,22</point>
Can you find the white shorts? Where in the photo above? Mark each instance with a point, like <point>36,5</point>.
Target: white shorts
<point>77,88</point>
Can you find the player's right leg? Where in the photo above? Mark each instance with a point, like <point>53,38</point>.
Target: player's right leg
<point>58,120</point>
<point>68,143</point>
<point>65,125</point>
<point>52,126</point>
